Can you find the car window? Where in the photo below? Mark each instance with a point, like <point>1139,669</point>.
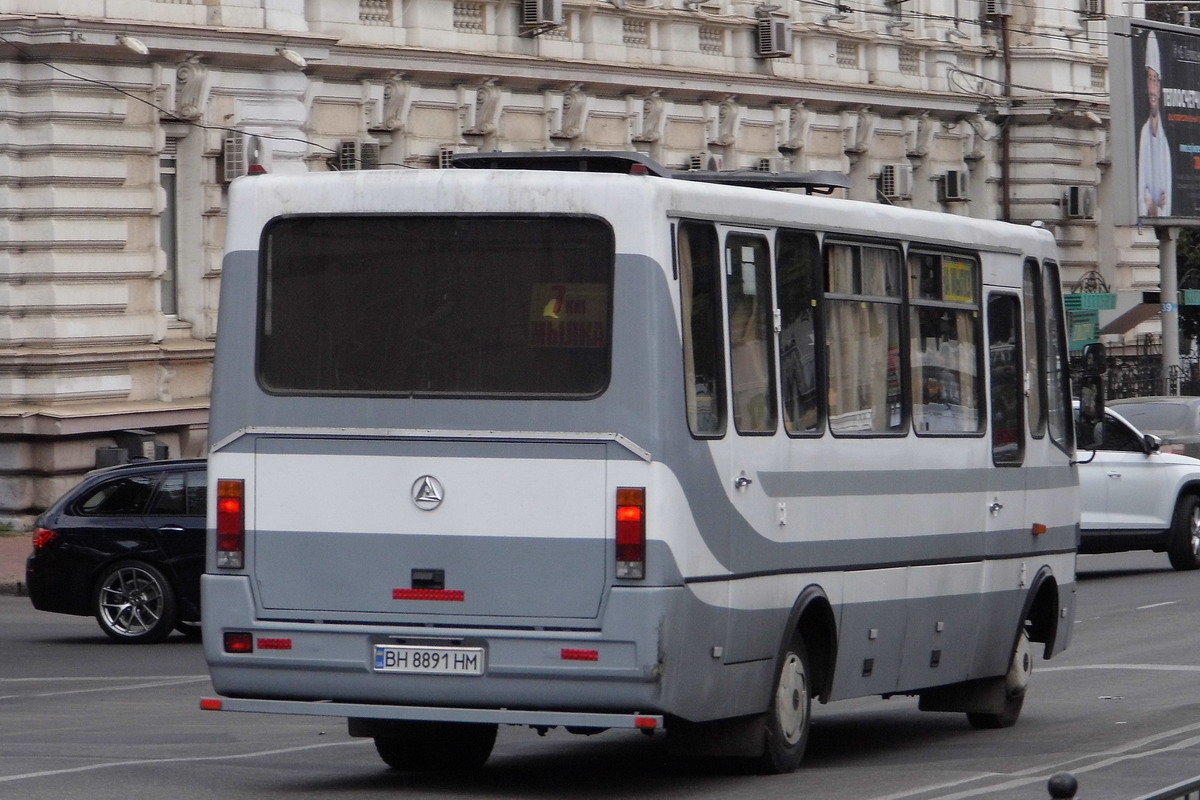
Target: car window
<point>1119,436</point>
<point>1155,416</point>
<point>128,494</point>
<point>182,493</point>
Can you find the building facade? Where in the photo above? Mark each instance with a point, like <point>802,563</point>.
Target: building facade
<point>123,122</point>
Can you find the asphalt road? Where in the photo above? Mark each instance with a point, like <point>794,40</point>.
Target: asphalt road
<point>81,717</point>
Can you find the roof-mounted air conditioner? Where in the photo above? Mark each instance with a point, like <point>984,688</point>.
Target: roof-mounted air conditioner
<point>704,161</point>
<point>773,38</point>
<point>896,181</point>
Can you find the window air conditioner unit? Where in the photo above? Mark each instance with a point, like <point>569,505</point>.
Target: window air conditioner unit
<point>895,181</point>
<point>1080,202</point>
<point>541,14</point>
<point>773,38</point>
<point>772,165</point>
<point>954,185</point>
<point>704,161</point>
<point>358,154</point>
<point>447,152</point>
<point>243,151</point>
<point>998,8</point>
<point>1092,9</point>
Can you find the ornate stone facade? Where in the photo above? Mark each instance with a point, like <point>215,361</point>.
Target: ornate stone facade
<point>116,163</point>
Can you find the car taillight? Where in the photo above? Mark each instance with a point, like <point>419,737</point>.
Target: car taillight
<point>43,537</point>
<point>631,533</point>
<point>231,524</point>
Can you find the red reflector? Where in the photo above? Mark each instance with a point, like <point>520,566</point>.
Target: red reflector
<point>43,537</point>
<point>1038,529</point>
<point>571,654</point>
<point>639,169</point>
<point>274,644</point>
<point>210,704</point>
<point>452,595</point>
<point>645,722</point>
<point>256,169</point>
<point>238,642</point>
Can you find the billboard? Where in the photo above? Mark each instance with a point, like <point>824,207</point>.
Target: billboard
<point>1154,76</point>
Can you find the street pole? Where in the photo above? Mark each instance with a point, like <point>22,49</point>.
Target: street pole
<point>1168,284</point>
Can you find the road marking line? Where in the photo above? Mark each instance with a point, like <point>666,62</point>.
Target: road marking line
<point>1157,605</point>
<point>1149,667</point>
<point>154,685</point>
<point>182,760</point>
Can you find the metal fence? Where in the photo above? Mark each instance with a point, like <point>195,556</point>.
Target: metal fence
<point>1136,370</point>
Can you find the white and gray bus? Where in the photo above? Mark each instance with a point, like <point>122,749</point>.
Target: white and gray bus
<point>569,441</point>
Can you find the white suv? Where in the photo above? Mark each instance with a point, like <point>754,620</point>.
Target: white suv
<point>1134,497</point>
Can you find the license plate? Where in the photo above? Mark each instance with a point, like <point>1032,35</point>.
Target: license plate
<point>429,660</point>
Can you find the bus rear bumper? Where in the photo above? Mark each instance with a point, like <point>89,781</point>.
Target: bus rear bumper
<point>502,716</point>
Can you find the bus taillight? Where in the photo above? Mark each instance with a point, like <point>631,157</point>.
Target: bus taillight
<point>231,524</point>
<point>631,533</point>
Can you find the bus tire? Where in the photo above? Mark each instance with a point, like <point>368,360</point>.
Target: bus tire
<point>1015,683</point>
<point>789,715</point>
<point>436,746</point>
<point>1184,547</point>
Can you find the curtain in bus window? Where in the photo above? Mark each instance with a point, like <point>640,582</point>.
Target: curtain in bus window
<point>751,354</point>
<point>864,367</point>
<point>1006,366</point>
<point>862,339</point>
<point>703,342</point>
<point>454,305</point>
<point>1035,358</point>
<point>797,265</point>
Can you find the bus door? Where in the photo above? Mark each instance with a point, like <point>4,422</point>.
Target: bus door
<point>1006,526</point>
<point>753,438</point>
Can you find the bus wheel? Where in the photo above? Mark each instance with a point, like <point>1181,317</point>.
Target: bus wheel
<point>789,715</point>
<point>1184,548</point>
<point>436,746</point>
<point>1015,682</point>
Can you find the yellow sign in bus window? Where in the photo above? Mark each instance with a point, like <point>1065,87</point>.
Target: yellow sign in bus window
<point>568,315</point>
<point>958,281</point>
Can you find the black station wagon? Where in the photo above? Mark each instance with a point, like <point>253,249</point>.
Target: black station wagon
<point>127,546</point>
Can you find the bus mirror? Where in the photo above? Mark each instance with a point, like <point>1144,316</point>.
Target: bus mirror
<point>1095,361</point>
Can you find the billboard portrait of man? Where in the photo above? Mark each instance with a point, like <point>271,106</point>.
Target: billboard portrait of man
<point>1154,153</point>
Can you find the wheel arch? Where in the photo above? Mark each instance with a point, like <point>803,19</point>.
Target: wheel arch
<point>813,619</point>
<point>1040,615</point>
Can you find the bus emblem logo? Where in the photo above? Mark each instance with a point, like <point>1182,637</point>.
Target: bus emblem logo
<point>427,493</point>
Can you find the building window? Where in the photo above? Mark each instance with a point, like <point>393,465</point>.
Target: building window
<point>168,230</point>
<point>1098,78</point>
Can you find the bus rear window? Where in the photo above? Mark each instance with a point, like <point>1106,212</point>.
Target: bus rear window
<point>424,305</point>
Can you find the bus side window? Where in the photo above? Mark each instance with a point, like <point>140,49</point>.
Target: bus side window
<point>862,338</point>
<point>797,267</point>
<point>751,351</point>
<point>944,350</point>
<point>703,331</point>
<point>1058,394</point>
<point>1007,372</point>
<point>1035,350</point>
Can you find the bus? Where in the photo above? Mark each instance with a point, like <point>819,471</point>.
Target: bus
<point>573,440</point>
